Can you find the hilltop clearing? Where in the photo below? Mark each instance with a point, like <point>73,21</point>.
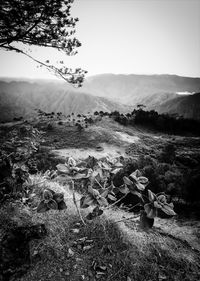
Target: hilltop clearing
<point>113,246</point>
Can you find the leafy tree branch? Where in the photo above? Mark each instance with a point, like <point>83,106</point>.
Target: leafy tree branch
<point>43,23</point>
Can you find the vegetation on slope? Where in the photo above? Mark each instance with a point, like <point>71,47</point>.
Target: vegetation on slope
<point>112,246</point>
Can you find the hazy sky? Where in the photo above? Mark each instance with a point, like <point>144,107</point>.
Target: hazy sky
<point>126,36</point>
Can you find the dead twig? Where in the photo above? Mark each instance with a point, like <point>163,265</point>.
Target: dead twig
<point>126,219</point>
<point>74,200</point>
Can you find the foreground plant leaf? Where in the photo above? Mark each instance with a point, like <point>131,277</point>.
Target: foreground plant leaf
<point>136,174</point>
<point>168,210</point>
<point>127,181</point>
<point>52,204</point>
<point>62,206</point>
<point>58,197</point>
<point>42,207</point>
<point>150,211</point>
<point>82,203</point>
<point>95,213</point>
<point>151,196</point>
<point>88,200</point>
<point>123,189</point>
<point>63,168</point>
<point>102,201</point>
<point>71,162</point>
<point>47,195</point>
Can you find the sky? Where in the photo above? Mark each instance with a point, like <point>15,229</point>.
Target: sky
<point>125,37</point>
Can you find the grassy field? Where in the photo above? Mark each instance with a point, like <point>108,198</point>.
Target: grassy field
<point>111,249</point>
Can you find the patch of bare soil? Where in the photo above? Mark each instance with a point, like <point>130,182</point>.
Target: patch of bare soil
<point>106,151</point>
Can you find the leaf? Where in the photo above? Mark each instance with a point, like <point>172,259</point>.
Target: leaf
<point>71,162</point>
<point>115,171</point>
<point>95,173</point>
<point>112,198</point>
<point>79,176</point>
<point>140,186</point>
<point>147,208</point>
<point>52,205</point>
<point>136,174</point>
<point>58,197</point>
<point>82,204</point>
<point>106,166</point>
<point>152,214</point>
<point>127,181</point>
<point>162,199</point>
<point>95,213</point>
<point>63,168</point>
<point>168,210</point>
<point>123,189</point>
<point>93,192</point>
<point>157,205</point>
<point>151,196</point>
<point>104,193</point>
<point>137,193</point>
<point>89,200</point>
<point>143,180</point>
<point>62,205</point>
<point>118,165</point>
<point>42,207</point>
<point>102,201</point>
<point>47,195</point>
<point>171,205</point>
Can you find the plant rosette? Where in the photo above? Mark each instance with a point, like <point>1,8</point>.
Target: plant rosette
<point>136,184</point>
<point>51,200</point>
<point>158,203</point>
<point>94,198</point>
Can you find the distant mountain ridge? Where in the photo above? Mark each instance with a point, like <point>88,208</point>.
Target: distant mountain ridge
<point>158,92</point>
<point>105,92</point>
<point>21,98</point>
<point>129,89</point>
<point>187,106</point>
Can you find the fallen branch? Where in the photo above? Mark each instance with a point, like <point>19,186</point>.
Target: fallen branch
<point>110,206</point>
<point>126,219</point>
<point>74,200</point>
<point>99,183</point>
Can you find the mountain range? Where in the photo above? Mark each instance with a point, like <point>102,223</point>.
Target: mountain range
<point>21,98</point>
<point>106,92</point>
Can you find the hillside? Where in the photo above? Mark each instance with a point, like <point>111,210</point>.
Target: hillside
<point>158,92</point>
<point>22,97</point>
<point>114,245</point>
<point>106,92</point>
<point>187,106</point>
<point>129,89</point>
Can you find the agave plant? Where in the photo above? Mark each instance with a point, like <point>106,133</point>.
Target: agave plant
<point>51,200</point>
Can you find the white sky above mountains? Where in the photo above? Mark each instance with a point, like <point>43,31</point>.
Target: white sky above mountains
<point>127,37</point>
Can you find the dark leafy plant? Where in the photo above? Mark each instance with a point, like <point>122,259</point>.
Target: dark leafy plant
<point>100,191</point>
<point>18,147</point>
<point>158,203</point>
<point>51,200</point>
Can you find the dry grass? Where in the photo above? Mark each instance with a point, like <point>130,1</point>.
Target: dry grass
<point>122,247</point>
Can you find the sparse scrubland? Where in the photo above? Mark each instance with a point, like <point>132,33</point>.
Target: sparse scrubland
<point>98,201</point>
